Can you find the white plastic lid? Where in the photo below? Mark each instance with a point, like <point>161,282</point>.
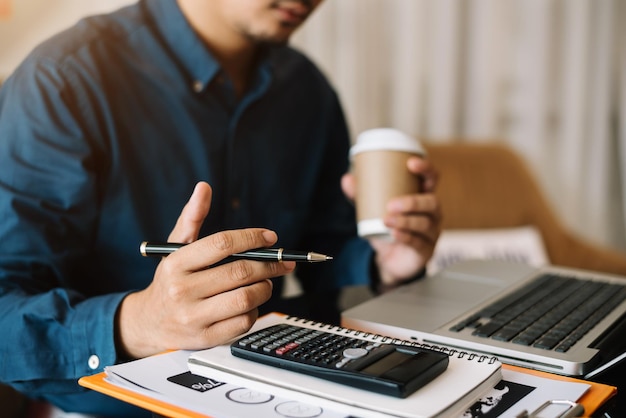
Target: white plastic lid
<point>372,228</point>
<point>386,139</point>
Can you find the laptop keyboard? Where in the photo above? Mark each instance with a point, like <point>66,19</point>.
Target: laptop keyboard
<point>553,312</point>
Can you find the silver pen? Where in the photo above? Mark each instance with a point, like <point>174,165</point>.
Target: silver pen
<point>152,249</point>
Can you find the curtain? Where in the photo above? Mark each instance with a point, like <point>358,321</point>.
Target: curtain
<point>546,77</point>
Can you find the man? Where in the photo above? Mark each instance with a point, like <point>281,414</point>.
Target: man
<point>104,130</point>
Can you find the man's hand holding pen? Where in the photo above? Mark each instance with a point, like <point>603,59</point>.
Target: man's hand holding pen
<point>196,301</point>
<point>191,306</point>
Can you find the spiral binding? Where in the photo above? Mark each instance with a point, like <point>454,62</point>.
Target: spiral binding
<point>452,352</point>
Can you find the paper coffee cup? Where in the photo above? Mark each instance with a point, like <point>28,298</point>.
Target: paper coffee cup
<point>379,158</point>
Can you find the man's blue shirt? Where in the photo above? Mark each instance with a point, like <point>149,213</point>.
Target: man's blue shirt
<point>104,131</point>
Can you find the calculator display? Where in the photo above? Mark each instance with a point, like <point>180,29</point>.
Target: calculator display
<point>388,362</point>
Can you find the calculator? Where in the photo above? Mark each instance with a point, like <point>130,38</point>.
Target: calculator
<point>390,369</point>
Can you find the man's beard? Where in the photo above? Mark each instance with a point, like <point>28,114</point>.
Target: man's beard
<point>269,41</point>
<point>263,39</point>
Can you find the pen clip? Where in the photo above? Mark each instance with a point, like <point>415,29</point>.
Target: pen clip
<point>574,409</point>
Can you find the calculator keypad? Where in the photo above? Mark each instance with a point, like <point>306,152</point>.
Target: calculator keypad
<point>308,345</point>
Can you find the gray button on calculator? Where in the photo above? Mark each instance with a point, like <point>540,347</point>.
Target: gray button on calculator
<point>353,353</point>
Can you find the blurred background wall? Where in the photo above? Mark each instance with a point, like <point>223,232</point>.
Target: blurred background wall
<point>547,77</point>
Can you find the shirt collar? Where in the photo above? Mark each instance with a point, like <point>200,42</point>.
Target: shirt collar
<point>183,42</point>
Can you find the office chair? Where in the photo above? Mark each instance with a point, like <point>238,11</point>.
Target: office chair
<point>488,185</point>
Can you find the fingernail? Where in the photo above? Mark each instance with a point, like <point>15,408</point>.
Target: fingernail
<point>270,236</point>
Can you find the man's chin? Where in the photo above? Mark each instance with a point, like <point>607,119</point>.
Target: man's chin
<point>275,40</point>
<point>274,43</point>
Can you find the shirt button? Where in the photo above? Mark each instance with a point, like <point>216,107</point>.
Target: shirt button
<point>93,362</point>
<point>235,203</point>
<point>198,86</point>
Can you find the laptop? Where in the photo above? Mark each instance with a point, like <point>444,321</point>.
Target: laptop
<point>488,307</point>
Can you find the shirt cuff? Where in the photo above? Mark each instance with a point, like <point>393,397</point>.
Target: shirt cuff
<point>93,332</point>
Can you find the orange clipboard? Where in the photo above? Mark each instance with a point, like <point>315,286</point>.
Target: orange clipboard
<point>98,383</point>
<point>594,398</point>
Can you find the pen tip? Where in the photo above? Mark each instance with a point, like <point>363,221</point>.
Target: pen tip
<point>317,257</point>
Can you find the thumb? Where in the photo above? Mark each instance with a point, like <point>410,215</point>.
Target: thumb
<point>348,185</point>
<point>193,214</point>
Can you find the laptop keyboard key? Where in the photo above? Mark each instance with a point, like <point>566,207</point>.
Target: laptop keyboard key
<point>487,329</point>
<point>551,313</point>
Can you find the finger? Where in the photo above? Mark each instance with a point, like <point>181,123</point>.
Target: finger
<point>417,215</point>
<point>417,203</point>
<point>419,226</point>
<point>193,214</point>
<point>223,331</point>
<point>425,169</point>
<point>214,248</point>
<point>216,320</point>
<point>422,245</point>
<point>240,273</point>
<point>235,302</point>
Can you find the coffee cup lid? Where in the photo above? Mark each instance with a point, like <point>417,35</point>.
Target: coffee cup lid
<point>386,139</point>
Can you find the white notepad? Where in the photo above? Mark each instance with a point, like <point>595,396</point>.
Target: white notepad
<point>466,379</point>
